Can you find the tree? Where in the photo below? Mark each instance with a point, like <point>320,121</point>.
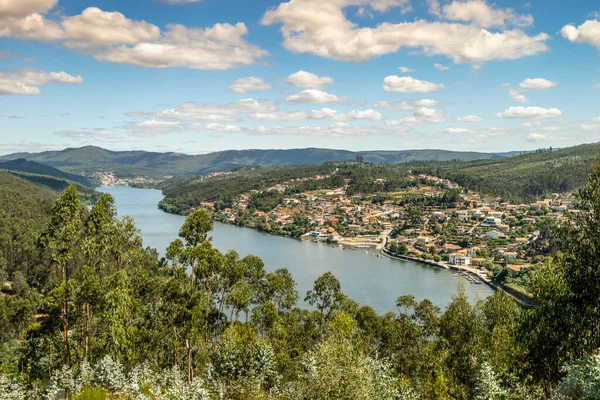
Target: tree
<point>281,289</point>
<point>61,238</point>
<point>326,296</point>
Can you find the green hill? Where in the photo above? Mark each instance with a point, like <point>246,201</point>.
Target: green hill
<point>525,177</point>
<point>32,167</point>
<point>91,159</point>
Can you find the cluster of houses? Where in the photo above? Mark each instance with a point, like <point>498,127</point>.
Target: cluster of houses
<point>501,230</point>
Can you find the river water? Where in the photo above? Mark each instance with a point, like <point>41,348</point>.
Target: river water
<point>363,276</point>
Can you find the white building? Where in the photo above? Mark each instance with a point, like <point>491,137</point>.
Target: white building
<point>459,259</point>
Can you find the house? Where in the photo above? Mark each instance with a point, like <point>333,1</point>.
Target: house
<point>511,255</point>
<point>462,215</point>
<point>529,220</point>
<point>459,259</point>
<point>513,270</point>
<point>477,262</point>
<point>495,235</point>
<point>453,248</point>
<point>492,221</point>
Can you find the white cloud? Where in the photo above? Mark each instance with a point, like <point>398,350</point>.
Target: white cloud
<point>223,128</point>
<point>441,67</point>
<point>588,32</point>
<point>366,114</point>
<point>529,113</point>
<point>538,137</point>
<point>313,96</point>
<point>322,28</point>
<point>456,131</point>
<point>216,112</point>
<point>420,116</point>
<point>517,96</point>
<point>111,36</point>
<point>405,70</point>
<point>395,105</point>
<point>536,84</point>
<point>469,118</point>
<point>339,129</point>
<point>590,128</point>
<point>154,127</point>
<point>252,83</point>
<point>322,114</point>
<point>597,119</point>
<point>426,103</point>
<point>551,129</point>
<point>26,81</point>
<point>531,124</point>
<point>307,80</point>
<point>23,8</point>
<point>480,13</point>
<point>84,135</point>
<point>407,84</point>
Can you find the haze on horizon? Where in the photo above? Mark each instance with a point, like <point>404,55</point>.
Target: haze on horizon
<point>197,76</point>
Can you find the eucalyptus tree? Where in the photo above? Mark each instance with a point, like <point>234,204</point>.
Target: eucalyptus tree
<point>62,239</point>
<point>326,296</point>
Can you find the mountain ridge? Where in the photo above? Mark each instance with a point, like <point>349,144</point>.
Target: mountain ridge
<point>90,159</point>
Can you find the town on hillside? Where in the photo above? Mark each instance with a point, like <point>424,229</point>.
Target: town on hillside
<point>435,221</point>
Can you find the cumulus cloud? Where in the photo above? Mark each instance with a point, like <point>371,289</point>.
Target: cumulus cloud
<point>307,80</point>
<point>551,129</point>
<point>517,96</point>
<point>313,96</point>
<point>529,113</point>
<point>588,32</point>
<point>590,128</point>
<point>426,103</point>
<point>538,137</point>
<point>322,114</point>
<point>405,70</point>
<point>469,118</point>
<point>223,128</point>
<point>245,85</point>
<point>531,124</point>
<point>536,84</point>
<point>112,37</point>
<point>23,8</point>
<point>339,129</point>
<point>456,131</point>
<point>322,28</point>
<point>154,127</point>
<point>98,134</point>
<point>441,67</point>
<point>422,115</point>
<point>216,112</point>
<point>25,81</point>
<point>408,84</point>
<point>480,13</point>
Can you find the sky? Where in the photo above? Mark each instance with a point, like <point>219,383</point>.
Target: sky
<point>197,76</point>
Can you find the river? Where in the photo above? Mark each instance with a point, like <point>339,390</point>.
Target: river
<point>363,276</point>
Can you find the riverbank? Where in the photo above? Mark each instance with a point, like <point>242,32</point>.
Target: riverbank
<point>519,297</point>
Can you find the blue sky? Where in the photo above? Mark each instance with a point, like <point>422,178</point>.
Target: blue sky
<point>200,76</point>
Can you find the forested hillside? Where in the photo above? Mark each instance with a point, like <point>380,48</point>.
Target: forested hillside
<point>90,314</point>
<point>525,177</point>
<point>183,194</point>
<point>35,168</point>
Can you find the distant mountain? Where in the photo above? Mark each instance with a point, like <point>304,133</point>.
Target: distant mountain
<point>92,159</point>
<point>33,167</point>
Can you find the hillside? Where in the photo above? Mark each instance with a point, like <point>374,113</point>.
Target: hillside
<point>525,177</point>
<point>124,164</point>
<point>519,178</point>
<point>32,167</point>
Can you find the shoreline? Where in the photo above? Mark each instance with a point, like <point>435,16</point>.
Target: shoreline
<point>519,297</point>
